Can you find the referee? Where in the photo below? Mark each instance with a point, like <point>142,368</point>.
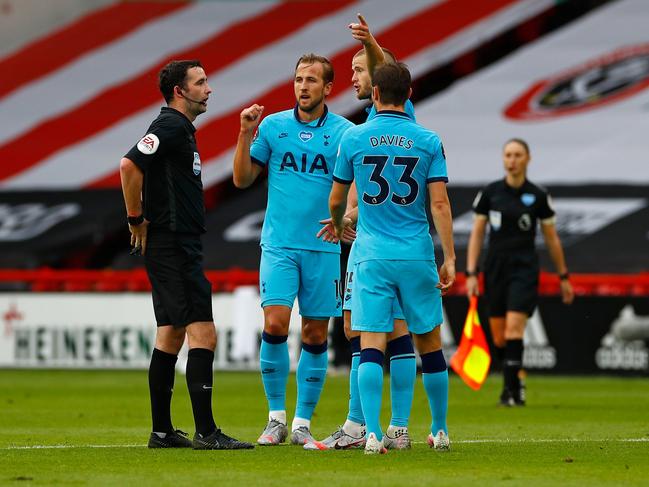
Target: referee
<point>513,206</point>
<point>163,193</point>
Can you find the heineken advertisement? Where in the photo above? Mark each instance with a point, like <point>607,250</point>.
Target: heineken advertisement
<point>595,334</point>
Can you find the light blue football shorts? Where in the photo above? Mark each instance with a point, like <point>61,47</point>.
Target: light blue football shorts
<point>311,276</point>
<point>379,283</point>
<point>397,312</point>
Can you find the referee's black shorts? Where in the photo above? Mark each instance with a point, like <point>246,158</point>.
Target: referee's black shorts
<point>181,293</point>
<point>511,282</point>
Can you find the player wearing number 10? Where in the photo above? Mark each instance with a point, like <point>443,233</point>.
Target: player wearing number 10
<point>394,161</point>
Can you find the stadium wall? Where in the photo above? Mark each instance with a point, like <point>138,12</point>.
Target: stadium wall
<point>606,330</point>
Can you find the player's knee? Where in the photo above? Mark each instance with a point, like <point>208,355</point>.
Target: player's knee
<point>315,333</point>
<point>428,342</point>
<point>276,327</point>
<point>400,329</point>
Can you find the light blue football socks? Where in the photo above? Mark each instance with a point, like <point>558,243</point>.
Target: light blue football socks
<point>435,378</point>
<point>403,373</point>
<point>355,410</point>
<point>370,385</point>
<point>274,363</point>
<point>311,373</point>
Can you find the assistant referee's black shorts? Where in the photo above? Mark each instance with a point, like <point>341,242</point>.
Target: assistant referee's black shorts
<point>181,293</point>
<point>511,282</point>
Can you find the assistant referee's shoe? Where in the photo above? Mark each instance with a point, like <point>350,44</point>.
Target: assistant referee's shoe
<point>173,439</point>
<point>219,441</point>
<point>439,442</point>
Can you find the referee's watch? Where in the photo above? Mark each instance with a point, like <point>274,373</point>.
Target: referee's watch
<point>134,221</point>
<point>564,277</point>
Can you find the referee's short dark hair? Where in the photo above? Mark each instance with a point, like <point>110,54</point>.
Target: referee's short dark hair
<point>393,81</point>
<point>174,74</point>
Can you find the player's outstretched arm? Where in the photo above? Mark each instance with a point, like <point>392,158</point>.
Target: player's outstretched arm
<point>328,233</point>
<point>373,52</point>
<point>337,204</point>
<point>244,172</point>
<point>440,208</point>
<point>473,254</point>
<point>555,249</point>
<point>132,179</point>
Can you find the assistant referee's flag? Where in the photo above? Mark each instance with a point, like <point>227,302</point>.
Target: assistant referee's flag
<point>472,359</point>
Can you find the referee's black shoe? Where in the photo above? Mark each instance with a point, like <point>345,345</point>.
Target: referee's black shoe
<point>174,439</point>
<point>510,399</point>
<point>506,399</point>
<point>219,441</point>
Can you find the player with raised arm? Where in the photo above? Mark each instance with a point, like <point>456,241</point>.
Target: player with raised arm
<point>403,367</point>
<point>393,161</point>
<point>298,146</point>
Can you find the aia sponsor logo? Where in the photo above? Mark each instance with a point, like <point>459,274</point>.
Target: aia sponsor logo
<point>604,80</point>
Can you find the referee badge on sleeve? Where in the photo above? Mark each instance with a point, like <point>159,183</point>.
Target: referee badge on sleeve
<point>148,144</point>
<point>197,164</point>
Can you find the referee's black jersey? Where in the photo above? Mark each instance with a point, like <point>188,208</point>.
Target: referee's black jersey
<point>513,214</point>
<point>173,191</point>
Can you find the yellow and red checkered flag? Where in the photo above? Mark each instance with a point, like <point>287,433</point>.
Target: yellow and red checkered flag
<point>472,359</point>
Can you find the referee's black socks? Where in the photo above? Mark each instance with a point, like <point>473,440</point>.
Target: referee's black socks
<point>513,364</point>
<point>161,385</point>
<point>199,383</point>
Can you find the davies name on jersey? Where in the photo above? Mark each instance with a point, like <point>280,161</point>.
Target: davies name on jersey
<point>395,140</point>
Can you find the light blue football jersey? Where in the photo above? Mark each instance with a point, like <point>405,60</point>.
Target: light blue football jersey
<point>408,107</point>
<point>392,159</point>
<point>300,158</point>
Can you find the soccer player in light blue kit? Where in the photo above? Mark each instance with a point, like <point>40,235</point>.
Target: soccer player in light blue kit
<point>393,162</point>
<point>298,147</point>
<point>399,349</point>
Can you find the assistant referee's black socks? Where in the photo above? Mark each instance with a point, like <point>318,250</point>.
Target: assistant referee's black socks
<point>199,383</point>
<point>162,372</point>
<point>513,364</point>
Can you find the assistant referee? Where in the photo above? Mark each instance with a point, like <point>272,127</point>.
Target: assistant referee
<point>163,193</point>
<point>512,206</point>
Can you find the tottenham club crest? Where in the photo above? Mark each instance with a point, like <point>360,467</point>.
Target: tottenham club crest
<point>306,136</point>
<point>197,164</point>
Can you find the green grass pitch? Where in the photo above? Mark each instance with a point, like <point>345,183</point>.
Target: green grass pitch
<point>91,427</point>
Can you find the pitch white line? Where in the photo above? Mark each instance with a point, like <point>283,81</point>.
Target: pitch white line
<point>475,441</point>
<point>548,440</point>
<point>61,447</point>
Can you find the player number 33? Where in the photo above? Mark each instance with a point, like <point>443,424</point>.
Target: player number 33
<point>379,162</point>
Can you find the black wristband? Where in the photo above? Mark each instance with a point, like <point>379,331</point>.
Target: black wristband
<point>134,221</point>
<point>564,277</point>
<point>471,273</point>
